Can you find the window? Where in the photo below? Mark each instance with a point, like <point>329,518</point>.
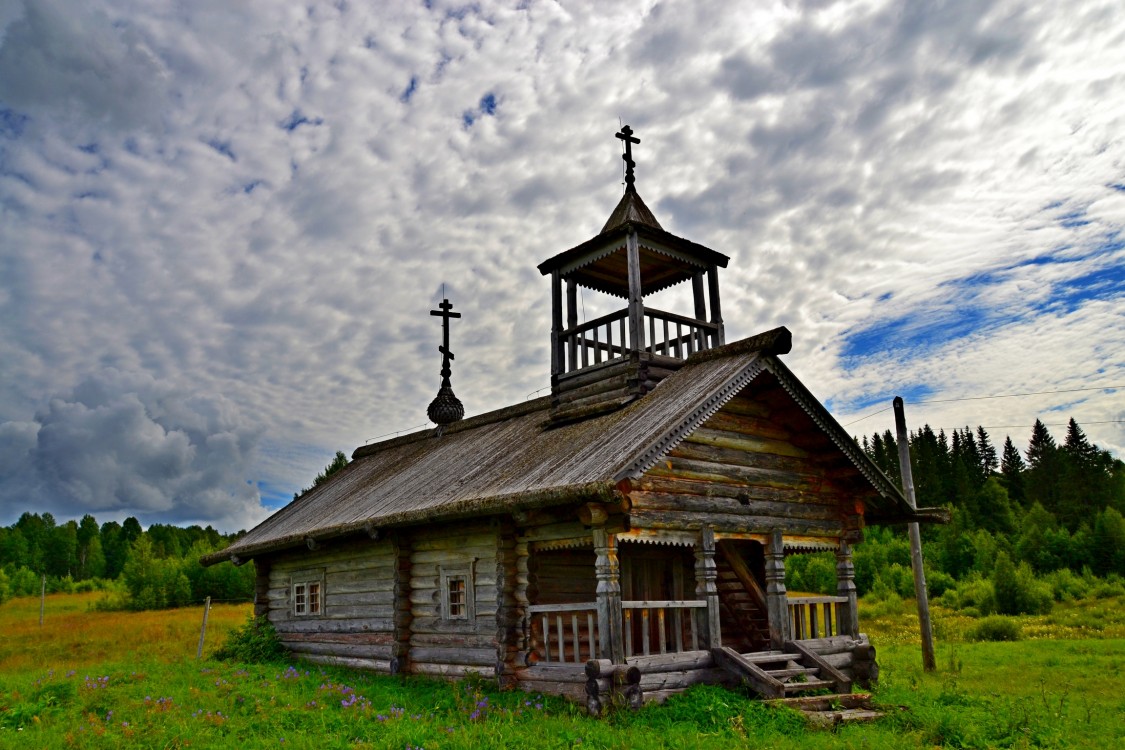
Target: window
<point>308,593</point>
<point>457,592</point>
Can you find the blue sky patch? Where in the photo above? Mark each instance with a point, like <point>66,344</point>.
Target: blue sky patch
<point>297,119</point>
<point>12,123</point>
<point>488,104</point>
<point>223,147</point>
<point>249,187</point>
<point>408,92</point>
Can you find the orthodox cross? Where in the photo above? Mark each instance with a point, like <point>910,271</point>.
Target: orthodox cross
<point>445,314</point>
<point>626,135</point>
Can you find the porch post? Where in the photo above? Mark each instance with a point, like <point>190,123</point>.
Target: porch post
<point>847,614</point>
<point>636,294</point>
<point>707,589</point>
<point>607,570</point>
<point>776,602</point>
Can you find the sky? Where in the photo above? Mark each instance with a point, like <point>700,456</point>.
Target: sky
<point>223,225</point>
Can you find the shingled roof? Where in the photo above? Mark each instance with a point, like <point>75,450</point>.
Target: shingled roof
<point>512,459</point>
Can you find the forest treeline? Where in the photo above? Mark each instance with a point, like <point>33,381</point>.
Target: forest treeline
<point>138,568</point>
<point>1027,527</point>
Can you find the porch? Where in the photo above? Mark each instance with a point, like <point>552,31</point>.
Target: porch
<point>661,615</point>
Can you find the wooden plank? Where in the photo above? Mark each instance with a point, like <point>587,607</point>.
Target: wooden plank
<point>843,683</point>
<point>760,681</point>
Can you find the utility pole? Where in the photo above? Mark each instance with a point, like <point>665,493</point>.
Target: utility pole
<point>928,662</point>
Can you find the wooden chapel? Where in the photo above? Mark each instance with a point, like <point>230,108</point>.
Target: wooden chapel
<point>623,537</point>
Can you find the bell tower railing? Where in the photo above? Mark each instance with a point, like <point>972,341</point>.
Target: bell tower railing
<point>607,338</point>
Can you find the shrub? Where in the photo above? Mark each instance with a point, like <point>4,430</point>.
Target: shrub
<point>937,583</point>
<point>1017,590</point>
<point>995,628</point>
<point>1066,586</point>
<point>974,593</point>
<point>256,642</point>
<point>5,588</point>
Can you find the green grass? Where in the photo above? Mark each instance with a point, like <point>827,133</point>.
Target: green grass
<point>1036,692</point>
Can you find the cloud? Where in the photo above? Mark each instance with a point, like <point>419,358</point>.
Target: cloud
<point>257,207</point>
<point>124,444</point>
<point>70,60</point>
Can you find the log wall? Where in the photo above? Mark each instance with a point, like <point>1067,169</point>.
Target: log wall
<point>356,624</point>
<point>747,469</point>
<point>455,647</point>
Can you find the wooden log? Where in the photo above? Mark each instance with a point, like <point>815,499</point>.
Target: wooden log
<point>454,671</point>
<point>575,673</point>
<point>732,505</point>
<point>690,468</point>
<point>338,649</point>
<point>374,665</point>
<point>677,485</point>
<point>319,625</point>
<point>737,426</point>
<point>640,518</point>
<point>682,679</point>
<point>369,639</point>
<point>567,401</point>
<point>684,660</point>
<point>455,656</point>
<point>836,644</point>
<point>593,514</point>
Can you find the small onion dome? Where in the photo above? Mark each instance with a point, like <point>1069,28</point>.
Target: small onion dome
<point>446,408</point>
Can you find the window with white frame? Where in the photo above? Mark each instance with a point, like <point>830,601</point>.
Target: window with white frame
<point>308,593</point>
<point>457,599</point>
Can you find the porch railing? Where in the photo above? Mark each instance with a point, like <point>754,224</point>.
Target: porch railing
<point>814,616</point>
<point>607,338</point>
<point>654,619</point>
<point>566,632</point>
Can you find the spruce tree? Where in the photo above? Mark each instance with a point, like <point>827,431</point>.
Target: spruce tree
<point>1012,468</point>
<point>1044,478</point>
<point>988,462</point>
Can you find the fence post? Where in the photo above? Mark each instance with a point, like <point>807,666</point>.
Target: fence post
<point>203,630</point>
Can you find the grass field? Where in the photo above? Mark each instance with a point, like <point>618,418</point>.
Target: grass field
<point>130,680</point>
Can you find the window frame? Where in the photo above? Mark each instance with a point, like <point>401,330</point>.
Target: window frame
<point>306,587</point>
<point>451,609</point>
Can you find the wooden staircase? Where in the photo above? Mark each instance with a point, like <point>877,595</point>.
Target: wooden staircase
<point>742,604</point>
<point>780,674</point>
<point>830,711</point>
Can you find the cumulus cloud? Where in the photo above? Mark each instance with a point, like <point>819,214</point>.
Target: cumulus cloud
<point>124,444</point>
<point>258,205</point>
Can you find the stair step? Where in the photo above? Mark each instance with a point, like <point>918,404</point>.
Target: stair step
<point>798,687</point>
<point>781,674</point>
<point>828,719</point>
<point>767,657</point>
<point>835,702</point>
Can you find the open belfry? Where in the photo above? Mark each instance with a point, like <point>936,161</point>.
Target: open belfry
<point>616,541</point>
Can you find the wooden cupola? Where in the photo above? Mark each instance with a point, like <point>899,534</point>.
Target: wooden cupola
<point>602,364</point>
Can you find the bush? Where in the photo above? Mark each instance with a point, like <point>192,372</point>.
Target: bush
<point>1017,590</point>
<point>1066,586</point>
<point>256,642</point>
<point>995,628</point>
<point>937,583</point>
<point>974,593</point>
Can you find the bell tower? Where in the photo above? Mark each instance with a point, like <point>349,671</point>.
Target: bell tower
<point>602,364</point>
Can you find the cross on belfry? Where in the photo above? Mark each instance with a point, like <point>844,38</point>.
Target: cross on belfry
<point>626,135</point>
<point>445,314</point>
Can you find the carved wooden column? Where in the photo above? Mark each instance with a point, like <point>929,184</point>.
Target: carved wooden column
<point>608,572</point>
<point>556,327</point>
<point>707,589</point>
<point>636,298</point>
<point>847,613</point>
<point>776,602</point>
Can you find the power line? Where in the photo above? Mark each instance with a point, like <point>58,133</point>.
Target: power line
<point>998,395</point>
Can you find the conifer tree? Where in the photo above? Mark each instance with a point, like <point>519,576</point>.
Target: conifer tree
<point>1012,468</point>
<point>987,450</point>
<point>1044,480</point>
